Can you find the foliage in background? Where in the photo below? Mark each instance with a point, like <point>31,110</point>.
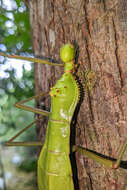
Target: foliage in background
<point>15,38</point>
<point>15,28</point>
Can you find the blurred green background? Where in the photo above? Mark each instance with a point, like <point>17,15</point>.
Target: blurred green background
<point>17,164</point>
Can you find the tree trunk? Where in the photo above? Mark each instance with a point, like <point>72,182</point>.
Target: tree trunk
<point>99,27</point>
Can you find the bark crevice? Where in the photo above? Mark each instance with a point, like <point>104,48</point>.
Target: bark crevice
<point>117,53</point>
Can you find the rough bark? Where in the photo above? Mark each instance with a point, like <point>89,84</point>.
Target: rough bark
<point>99,27</point>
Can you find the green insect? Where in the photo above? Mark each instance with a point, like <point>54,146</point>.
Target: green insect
<point>54,167</point>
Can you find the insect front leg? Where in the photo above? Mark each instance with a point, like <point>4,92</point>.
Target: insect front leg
<point>31,59</point>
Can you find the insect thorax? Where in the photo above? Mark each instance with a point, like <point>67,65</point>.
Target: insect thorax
<point>64,98</point>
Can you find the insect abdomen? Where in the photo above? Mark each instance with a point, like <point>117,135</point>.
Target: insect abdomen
<point>54,168</point>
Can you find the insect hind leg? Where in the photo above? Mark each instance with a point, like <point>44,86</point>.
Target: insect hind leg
<point>11,142</point>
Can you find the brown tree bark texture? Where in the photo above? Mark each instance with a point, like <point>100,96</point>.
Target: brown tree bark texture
<point>100,29</point>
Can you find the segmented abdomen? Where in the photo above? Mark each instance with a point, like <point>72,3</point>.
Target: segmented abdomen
<point>54,165</point>
<point>54,168</point>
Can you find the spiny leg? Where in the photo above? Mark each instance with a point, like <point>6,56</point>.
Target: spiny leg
<point>113,164</point>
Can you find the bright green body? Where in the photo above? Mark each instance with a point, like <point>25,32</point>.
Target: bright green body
<point>54,168</point>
